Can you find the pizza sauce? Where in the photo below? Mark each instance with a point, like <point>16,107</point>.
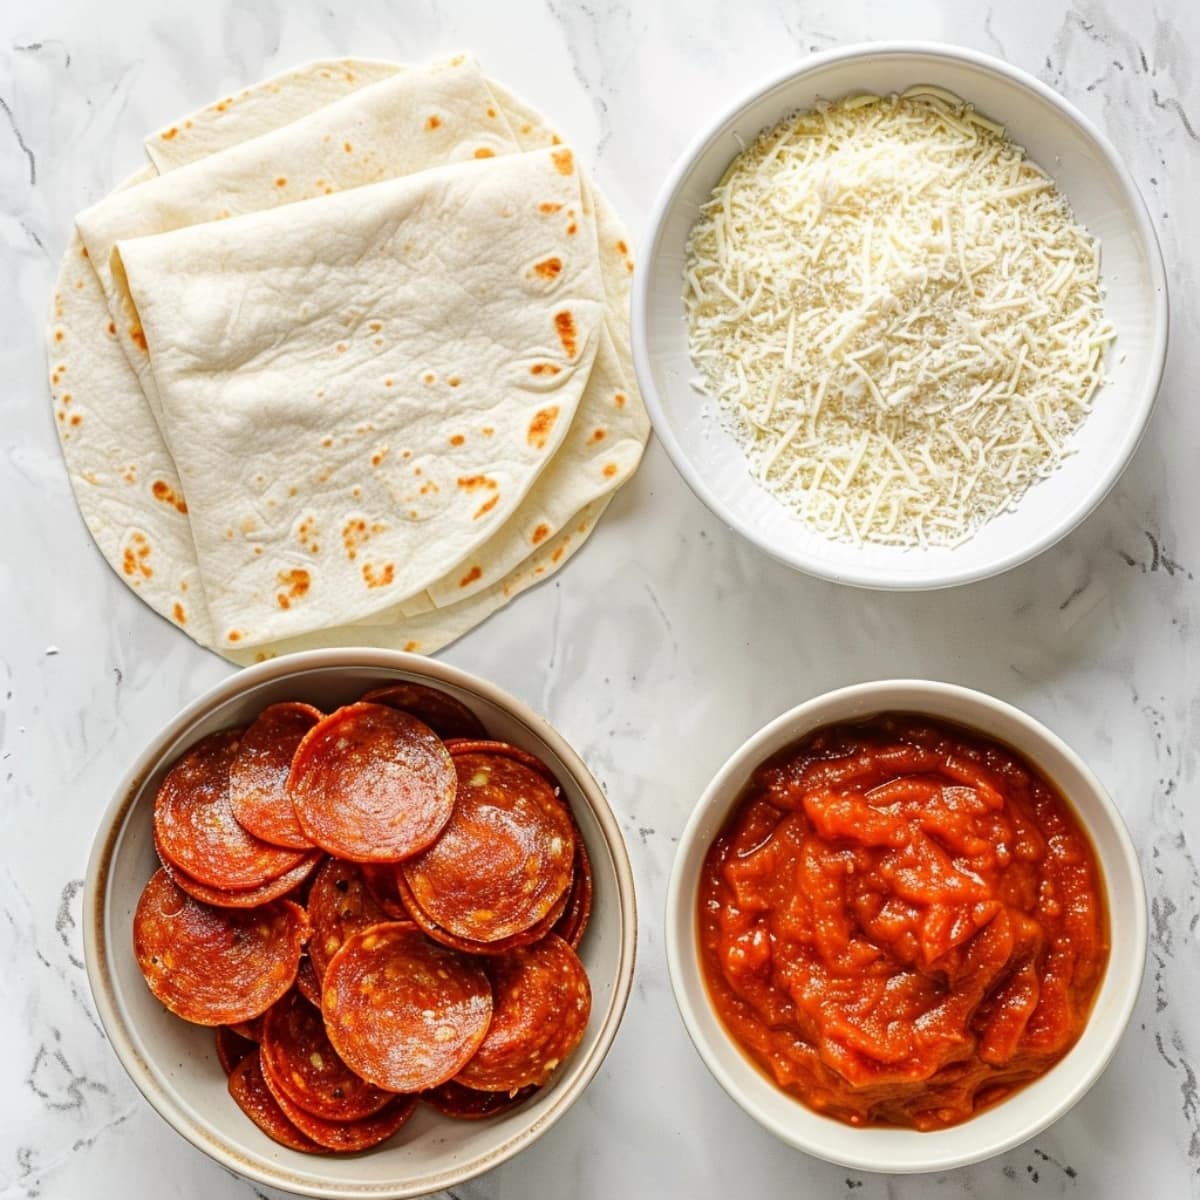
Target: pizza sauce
<point>901,922</point>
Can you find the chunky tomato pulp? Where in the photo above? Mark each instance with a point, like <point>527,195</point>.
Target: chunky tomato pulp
<point>902,922</point>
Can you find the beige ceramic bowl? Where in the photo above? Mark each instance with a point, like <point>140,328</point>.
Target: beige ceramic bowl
<point>173,1063</point>
<point>1027,1111</point>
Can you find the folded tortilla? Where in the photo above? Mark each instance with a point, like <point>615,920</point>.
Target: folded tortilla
<point>114,477</point>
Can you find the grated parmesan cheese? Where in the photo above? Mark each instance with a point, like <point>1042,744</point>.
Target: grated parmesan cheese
<point>898,315</point>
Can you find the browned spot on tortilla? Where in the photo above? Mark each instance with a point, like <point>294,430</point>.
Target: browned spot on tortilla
<point>58,335</point>
<point>610,470</point>
<point>66,395</point>
<point>130,474</point>
<point>548,206</point>
<point>62,416</point>
<point>526,128</point>
<point>83,252</point>
<point>138,337</point>
<point>487,506</point>
<point>379,578</point>
<point>539,570</point>
<point>295,583</point>
<point>548,268</point>
<point>572,229</point>
<point>471,483</point>
<point>491,111</point>
<point>622,248</point>
<point>564,163</point>
<point>281,182</point>
<point>387,383</point>
<point>454,381</point>
<point>112,327</point>
<point>558,553</point>
<point>180,615</point>
<point>484,152</point>
<point>327,441</point>
<point>233,636</point>
<point>411,647</point>
<point>170,133</point>
<point>341,347</point>
<point>565,324</point>
<point>457,439</point>
<point>540,534</point>
<point>487,431</point>
<point>378,456</point>
<point>544,369</point>
<point>629,265</point>
<point>347,147</point>
<point>428,377</point>
<point>376,326</point>
<point>541,425</point>
<point>433,122</point>
<point>76,419</point>
<point>469,578</point>
<point>598,435</point>
<point>222,105</point>
<point>619,399</point>
<point>134,559</point>
<point>162,490</point>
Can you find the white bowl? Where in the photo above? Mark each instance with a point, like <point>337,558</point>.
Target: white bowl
<point>1030,1109</point>
<point>172,1062</point>
<point>1085,165</point>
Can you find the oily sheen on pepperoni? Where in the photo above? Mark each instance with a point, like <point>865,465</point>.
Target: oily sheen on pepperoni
<point>541,1002</point>
<point>451,1099</point>
<point>574,920</point>
<point>281,885</point>
<point>194,825</point>
<point>402,1011</point>
<point>248,1087</point>
<point>258,776</point>
<point>215,966</point>
<point>468,945</point>
<point>372,784</point>
<point>300,1062</point>
<point>339,904</point>
<point>505,857</point>
<point>446,716</point>
<point>458,746</point>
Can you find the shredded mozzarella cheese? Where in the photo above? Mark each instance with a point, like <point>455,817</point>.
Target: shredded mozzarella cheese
<point>898,315</point>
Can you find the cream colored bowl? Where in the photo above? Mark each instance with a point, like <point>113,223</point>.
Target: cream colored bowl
<point>1105,198</point>
<point>173,1063</point>
<point>1027,1111</point>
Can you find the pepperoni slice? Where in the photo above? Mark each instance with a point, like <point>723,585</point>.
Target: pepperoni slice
<point>403,1012</point>
<point>281,885</point>
<point>249,1089</point>
<point>215,966</point>
<point>541,1005</point>
<point>339,904</point>
<point>446,716</point>
<point>307,981</point>
<point>372,784</point>
<point>432,929</point>
<point>346,1136</point>
<point>451,1099</point>
<point>250,1031</point>
<point>503,860</point>
<point>258,776</point>
<point>458,746</point>
<point>573,922</point>
<point>194,825</point>
<point>231,1048</point>
<point>301,1064</point>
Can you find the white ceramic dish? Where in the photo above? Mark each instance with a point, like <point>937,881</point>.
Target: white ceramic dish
<point>1027,1111</point>
<point>1061,140</point>
<point>173,1063</point>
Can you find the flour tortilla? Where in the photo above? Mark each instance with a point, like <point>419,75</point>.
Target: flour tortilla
<point>267,333</point>
<point>118,509</point>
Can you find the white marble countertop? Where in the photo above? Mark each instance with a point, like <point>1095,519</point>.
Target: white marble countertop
<point>663,644</point>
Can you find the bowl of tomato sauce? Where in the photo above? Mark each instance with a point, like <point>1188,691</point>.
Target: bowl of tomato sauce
<point>906,926</point>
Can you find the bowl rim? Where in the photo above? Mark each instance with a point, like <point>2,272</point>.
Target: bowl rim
<point>683,956</point>
<point>96,943</point>
<point>1070,516</point>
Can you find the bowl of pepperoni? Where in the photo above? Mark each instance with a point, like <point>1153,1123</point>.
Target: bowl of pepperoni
<point>906,927</point>
<point>358,923</point>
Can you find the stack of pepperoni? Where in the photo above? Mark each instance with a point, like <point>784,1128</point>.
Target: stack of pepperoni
<point>374,907</point>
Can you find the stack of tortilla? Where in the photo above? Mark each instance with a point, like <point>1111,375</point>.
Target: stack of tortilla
<point>349,363</point>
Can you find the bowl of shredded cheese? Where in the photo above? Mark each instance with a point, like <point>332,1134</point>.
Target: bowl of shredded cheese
<point>903,316</point>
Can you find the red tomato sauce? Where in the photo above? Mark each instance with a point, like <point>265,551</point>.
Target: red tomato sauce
<point>902,922</point>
